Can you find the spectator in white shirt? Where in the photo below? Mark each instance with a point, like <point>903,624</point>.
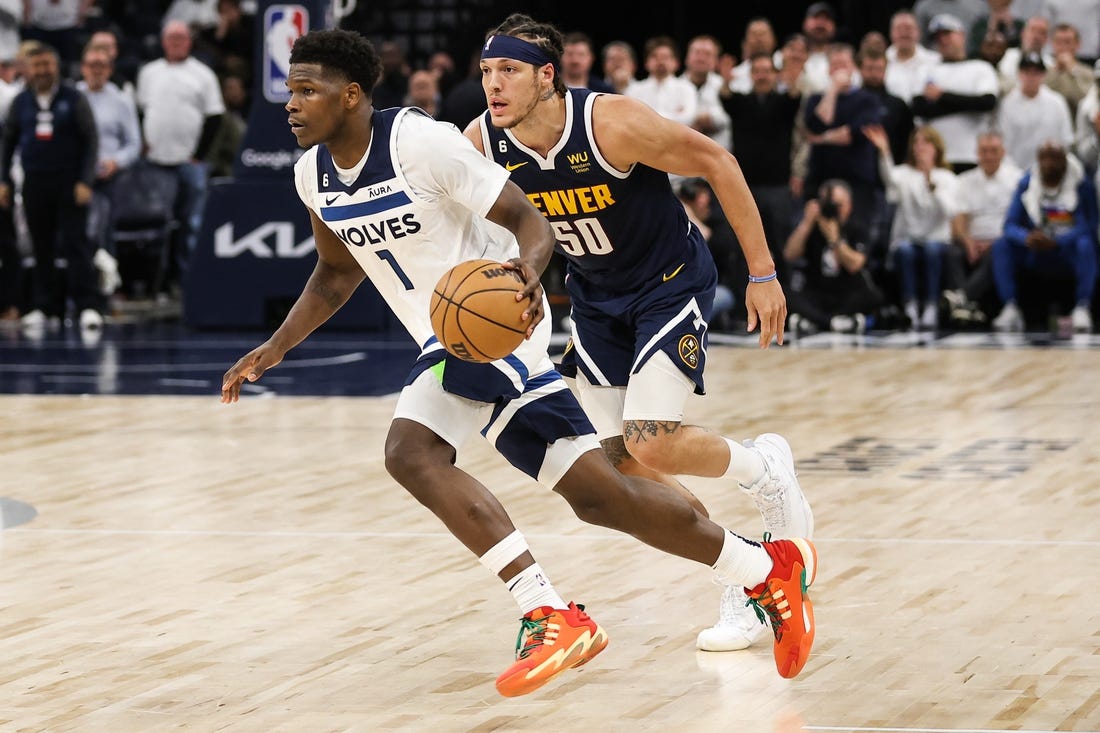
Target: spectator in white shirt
<point>1032,113</point>
<point>959,95</point>
<point>923,189</point>
<point>759,38</point>
<point>669,95</point>
<point>983,195</point>
<point>181,103</point>
<point>700,65</point>
<point>907,60</point>
<point>819,27</point>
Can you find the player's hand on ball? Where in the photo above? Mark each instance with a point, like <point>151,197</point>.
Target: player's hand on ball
<point>249,367</point>
<point>532,291</point>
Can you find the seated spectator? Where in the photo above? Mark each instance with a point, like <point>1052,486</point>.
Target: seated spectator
<point>668,95</point>
<point>577,58</point>
<point>922,189</point>
<point>1050,228</point>
<point>830,249</point>
<point>1032,113</point>
<point>959,94</point>
<point>982,197</point>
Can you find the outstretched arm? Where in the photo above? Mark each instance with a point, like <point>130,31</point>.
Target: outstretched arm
<point>335,277</point>
<point>627,132</point>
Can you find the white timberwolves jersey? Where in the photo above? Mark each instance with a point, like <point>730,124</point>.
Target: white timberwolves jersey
<point>413,208</point>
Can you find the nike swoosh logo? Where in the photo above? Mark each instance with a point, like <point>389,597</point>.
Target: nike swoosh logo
<point>513,166</point>
<point>328,201</point>
<point>666,278</point>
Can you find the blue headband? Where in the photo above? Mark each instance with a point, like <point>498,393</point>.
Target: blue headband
<point>510,47</point>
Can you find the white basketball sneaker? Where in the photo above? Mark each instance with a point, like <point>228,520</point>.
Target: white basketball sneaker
<point>786,514</point>
<point>738,626</point>
<point>777,494</point>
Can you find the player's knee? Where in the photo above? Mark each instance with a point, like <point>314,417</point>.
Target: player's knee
<point>595,496</point>
<point>410,460</point>
<point>656,453</point>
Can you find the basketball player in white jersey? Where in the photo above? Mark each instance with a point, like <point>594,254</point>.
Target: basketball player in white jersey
<point>403,198</point>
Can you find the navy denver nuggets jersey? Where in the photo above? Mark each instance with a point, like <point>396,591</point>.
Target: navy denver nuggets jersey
<point>618,230</point>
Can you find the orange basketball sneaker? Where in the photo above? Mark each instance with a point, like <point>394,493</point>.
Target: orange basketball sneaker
<point>783,601</point>
<point>551,640</point>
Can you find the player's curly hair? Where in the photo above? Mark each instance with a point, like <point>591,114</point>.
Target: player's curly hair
<point>543,35</point>
<point>345,52</point>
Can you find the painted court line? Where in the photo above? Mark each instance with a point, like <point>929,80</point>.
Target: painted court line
<point>858,729</point>
<point>353,534</point>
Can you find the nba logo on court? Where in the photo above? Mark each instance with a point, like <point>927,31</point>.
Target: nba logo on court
<point>283,24</point>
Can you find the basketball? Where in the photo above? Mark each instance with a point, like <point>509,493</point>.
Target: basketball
<point>475,314</point>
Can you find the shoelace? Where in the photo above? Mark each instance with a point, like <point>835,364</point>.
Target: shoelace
<point>766,611</point>
<point>536,633</point>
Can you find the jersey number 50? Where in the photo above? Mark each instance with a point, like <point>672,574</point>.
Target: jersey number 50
<point>582,237</point>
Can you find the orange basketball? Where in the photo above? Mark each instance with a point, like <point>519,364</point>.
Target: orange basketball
<point>475,314</point>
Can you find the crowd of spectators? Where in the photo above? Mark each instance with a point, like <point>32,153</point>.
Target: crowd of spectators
<point>937,172</point>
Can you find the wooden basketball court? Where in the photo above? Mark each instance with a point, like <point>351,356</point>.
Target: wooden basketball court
<point>195,566</point>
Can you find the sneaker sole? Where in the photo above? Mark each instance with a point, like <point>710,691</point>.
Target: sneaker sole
<point>517,683</point>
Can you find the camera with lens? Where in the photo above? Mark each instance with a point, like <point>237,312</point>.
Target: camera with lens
<point>825,203</point>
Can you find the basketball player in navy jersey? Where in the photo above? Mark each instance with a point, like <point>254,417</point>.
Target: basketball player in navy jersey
<point>403,198</point>
<point>640,276</point>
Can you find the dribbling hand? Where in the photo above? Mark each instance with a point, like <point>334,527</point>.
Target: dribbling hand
<point>249,367</point>
<point>532,290</point>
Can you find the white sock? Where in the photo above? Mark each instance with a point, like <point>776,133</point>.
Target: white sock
<point>742,562</point>
<point>746,466</point>
<point>532,589</point>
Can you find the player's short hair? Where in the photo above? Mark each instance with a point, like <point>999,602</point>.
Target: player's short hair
<point>344,52</point>
<point>544,35</point>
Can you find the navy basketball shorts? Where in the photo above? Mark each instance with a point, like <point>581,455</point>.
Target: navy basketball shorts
<point>613,337</point>
<point>524,409</point>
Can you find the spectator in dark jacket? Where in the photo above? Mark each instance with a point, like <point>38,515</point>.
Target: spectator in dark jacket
<point>52,127</point>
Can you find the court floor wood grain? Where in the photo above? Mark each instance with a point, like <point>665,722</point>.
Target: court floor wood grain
<point>202,567</point>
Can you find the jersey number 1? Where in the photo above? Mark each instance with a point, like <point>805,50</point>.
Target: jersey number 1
<point>385,254</point>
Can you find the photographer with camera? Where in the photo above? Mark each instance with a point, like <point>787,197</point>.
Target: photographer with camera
<point>837,292</point>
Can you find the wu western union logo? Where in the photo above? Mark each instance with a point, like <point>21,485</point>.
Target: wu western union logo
<point>575,158</point>
<point>513,166</point>
<point>584,199</point>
